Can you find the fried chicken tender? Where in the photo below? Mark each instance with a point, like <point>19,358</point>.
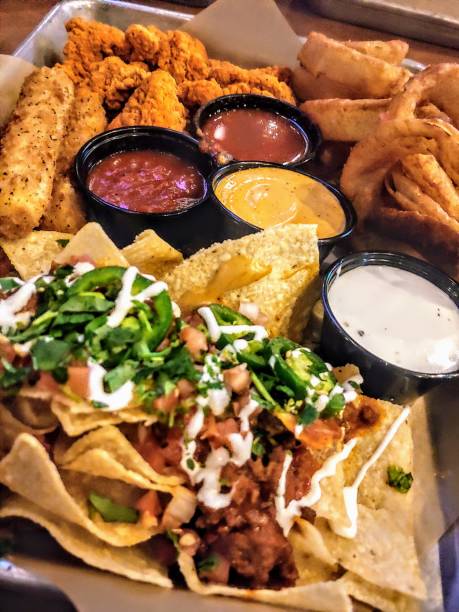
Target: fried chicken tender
<point>265,81</point>
<point>196,93</point>
<point>145,42</point>
<point>89,42</point>
<point>154,102</point>
<point>114,80</point>
<point>183,56</point>
<point>65,212</point>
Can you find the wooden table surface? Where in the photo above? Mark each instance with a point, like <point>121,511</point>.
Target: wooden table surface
<point>19,17</point>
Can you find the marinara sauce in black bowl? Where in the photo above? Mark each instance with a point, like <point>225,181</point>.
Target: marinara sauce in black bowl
<point>138,178</point>
<point>254,128</point>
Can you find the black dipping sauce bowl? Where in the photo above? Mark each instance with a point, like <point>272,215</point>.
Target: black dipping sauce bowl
<point>229,225</point>
<point>183,229</point>
<point>300,121</point>
<point>382,379</point>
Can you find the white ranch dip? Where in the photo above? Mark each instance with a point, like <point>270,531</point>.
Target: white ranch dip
<point>398,316</point>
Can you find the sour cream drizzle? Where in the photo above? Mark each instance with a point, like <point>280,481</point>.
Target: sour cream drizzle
<point>10,316</point>
<point>114,401</point>
<point>209,475</point>
<point>216,330</point>
<point>124,300</point>
<point>350,493</point>
<point>286,514</point>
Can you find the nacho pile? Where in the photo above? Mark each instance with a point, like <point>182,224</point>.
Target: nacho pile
<point>150,439</point>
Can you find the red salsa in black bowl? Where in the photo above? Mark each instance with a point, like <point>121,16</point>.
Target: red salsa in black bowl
<point>250,127</point>
<point>137,178</point>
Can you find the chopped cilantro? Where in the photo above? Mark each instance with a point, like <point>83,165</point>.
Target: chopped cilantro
<point>208,563</point>
<point>49,354</point>
<point>11,376</point>
<point>334,407</point>
<point>399,479</point>
<point>8,284</point>
<point>257,447</point>
<point>190,464</point>
<point>308,415</point>
<point>114,379</point>
<point>63,242</point>
<point>99,405</point>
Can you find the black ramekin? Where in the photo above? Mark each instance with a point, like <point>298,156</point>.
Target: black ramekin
<point>232,226</point>
<point>290,112</point>
<point>382,379</point>
<point>185,229</point>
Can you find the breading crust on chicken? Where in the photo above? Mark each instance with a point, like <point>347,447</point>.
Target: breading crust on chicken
<point>154,102</point>
<point>30,148</point>
<point>65,212</point>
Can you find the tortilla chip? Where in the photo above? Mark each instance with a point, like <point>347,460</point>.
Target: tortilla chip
<point>323,596</point>
<point>134,562</point>
<point>383,551</point>
<point>34,254</point>
<point>11,427</point>
<point>76,419</point>
<point>108,447</point>
<point>152,255</point>
<point>28,471</point>
<point>91,241</point>
<point>285,295</point>
<point>382,599</point>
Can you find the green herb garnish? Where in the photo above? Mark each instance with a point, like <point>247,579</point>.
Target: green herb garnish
<point>399,479</point>
<point>208,563</point>
<point>112,512</point>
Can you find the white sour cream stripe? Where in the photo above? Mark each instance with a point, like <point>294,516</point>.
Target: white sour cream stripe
<point>286,514</point>
<point>124,299</point>
<point>114,401</point>
<point>350,493</point>
<point>10,316</point>
<point>216,330</point>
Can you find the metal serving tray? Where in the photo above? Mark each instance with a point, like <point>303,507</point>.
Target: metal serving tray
<point>89,589</point>
<point>436,21</point>
<point>43,46</point>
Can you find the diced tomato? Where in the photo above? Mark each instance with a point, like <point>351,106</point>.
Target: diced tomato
<point>149,503</point>
<point>321,434</point>
<point>47,383</point>
<point>151,452</point>
<point>167,403</point>
<point>185,388</point>
<point>7,351</point>
<point>237,378</point>
<point>218,432</point>
<point>194,339</point>
<point>78,380</point>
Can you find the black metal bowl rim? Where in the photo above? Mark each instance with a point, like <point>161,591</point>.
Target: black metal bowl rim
<point>119,134</point>
<point>309,155</point>
<point>411,264</point>
<point>348,209</point>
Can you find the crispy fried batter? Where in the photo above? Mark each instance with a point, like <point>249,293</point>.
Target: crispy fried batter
<point>114,80</point>
<point>89,42</point>
<point>154,102</point>
<point>145,42</point>
<point>195,93</point>
<point>391,51</point>
<point>183,56</point>
<point>65,212</point>
<point>434,90</point>
<point>235,79</point>
<point>30,148</point>
<point>345,120</point>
